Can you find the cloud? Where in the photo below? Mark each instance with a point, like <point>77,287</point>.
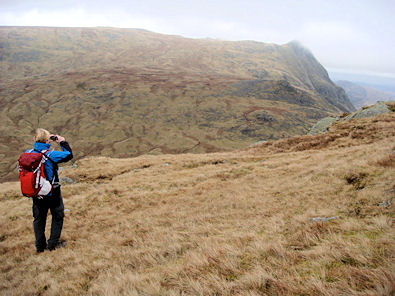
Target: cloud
<point>66,18</point>
<point>331,32</point>
<point>81,17</point>
<point>344,45</point>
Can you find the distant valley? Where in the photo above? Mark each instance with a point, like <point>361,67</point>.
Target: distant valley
<point>362,95</point>
<point>128,92</point>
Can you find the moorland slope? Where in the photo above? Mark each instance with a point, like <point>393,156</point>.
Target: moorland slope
<point>128,92</point>
<point>246,222</point>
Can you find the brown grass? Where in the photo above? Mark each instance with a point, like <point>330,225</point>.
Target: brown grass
<point>236,223</point>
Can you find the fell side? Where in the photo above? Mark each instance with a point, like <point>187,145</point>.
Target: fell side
<point>127,92</point>
<point>235,223</point>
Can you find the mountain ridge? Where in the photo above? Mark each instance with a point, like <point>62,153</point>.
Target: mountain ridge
<point>127,92</point>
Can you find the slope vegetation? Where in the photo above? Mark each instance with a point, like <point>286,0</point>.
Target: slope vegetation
<point>125,92</point>
<point>246,222</point>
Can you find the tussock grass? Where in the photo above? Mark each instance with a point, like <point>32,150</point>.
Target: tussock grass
<point>236,223</point>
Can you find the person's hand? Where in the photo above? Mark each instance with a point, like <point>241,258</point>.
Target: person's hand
<point>60,139</point>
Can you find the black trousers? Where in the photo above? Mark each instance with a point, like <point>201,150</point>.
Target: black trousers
<point>53,203</point>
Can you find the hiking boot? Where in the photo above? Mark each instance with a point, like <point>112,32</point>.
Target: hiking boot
<point>60,244</point>
<point>39,251</point>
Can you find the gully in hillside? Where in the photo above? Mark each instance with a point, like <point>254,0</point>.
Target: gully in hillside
<point>49,196</point>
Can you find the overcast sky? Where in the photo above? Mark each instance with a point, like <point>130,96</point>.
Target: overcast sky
<point>346,35</point>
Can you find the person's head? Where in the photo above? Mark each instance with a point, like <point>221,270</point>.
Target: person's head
<point>41,135</point>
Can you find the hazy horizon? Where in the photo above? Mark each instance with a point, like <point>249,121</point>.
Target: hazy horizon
<point>383,83</point>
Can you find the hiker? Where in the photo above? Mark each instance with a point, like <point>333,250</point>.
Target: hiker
<point>53,200</point>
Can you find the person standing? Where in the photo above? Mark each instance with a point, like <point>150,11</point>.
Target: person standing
<point>53,201</point>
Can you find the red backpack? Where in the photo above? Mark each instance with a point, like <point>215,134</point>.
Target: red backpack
<point>31,174</point>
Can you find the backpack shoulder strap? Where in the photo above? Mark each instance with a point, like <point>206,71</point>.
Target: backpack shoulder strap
<point>44,153</point>
<point>54,164</point>
<point>48,152</point>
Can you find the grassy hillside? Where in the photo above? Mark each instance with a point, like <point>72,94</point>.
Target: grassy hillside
<point>126,92</point>
<point>362,96</point>
<point>234,223</point>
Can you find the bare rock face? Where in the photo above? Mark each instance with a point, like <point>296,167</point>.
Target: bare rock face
<point>374,110</point>
<point>322,125</point>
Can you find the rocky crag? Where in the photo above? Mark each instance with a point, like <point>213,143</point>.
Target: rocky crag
<point>323,125</point>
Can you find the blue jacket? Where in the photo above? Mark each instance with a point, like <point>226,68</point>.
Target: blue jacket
<point>55,158</point>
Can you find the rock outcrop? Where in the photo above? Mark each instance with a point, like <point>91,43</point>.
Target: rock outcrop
<point>323,125</point>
